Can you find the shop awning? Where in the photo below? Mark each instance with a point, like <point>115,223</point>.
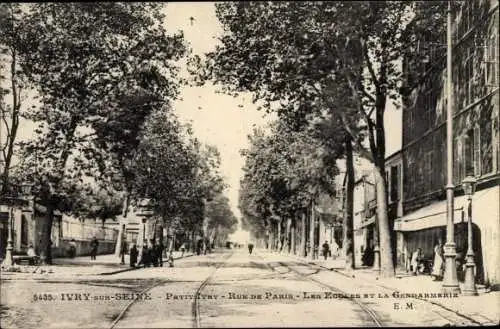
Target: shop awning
<point>433,215</point>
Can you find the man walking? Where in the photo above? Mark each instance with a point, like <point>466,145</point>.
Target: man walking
<point>94,244</point>
<point>250,248</point>
<point>326,249</point>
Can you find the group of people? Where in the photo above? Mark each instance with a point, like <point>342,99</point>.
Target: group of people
<point>417,262</point>
<point>152,254</point>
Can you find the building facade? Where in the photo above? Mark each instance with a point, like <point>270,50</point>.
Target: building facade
<point>475,144</point>
<point>364,218</point>
<point>26,230</point>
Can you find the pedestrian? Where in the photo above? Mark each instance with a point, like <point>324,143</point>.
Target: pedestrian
<point>145,257</point>
<point>326,249</point>
<point>72,248</point>
<point>31,251</point>
<point>415,260</point>
<point>199,246</point>
<point>133,255</point>
<point>183,249</point>
<point>368,255</point>
<point>437,264</point>
<point>94,244</point>
<point>153,256</point>
<point>335,249</point>
<point>123,250</point>
<point>250,248</point>
<point>159,252</point>
<point>49,253</point>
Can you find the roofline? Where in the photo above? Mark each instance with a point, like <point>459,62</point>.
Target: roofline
<point>393,155</point>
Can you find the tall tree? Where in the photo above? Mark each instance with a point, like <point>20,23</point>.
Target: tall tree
<point>284,171</point>
<point>13,85</point>
<point>86,59</point>
<point>308,56</point>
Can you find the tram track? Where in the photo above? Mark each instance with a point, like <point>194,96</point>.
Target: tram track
<point>454,318</point>
<point>370,312</point>
<point>196,302</point>
<point>195,311</point>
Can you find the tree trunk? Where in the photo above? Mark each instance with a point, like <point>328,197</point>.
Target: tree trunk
<point>312,226</point>
<point>270,237</point>
<point>303,234</point>
<point>288,233</point>
<point>386,259</point>
<point>193,243</point>
<point>45,237</point>
<point>280,243</point>
<point>348,224</point>
<point>293,233</point>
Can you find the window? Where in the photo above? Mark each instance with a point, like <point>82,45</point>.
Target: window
<point>394,185</point>
<point>468,148</point>
<point>457,161</point>
<point>472,152</point>
<point>428,169</point>
<point>477,151</point>
<point>491,59</point>
<point>466,77</point>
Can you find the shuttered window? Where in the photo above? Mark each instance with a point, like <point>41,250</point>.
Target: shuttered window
<point>477,151</point>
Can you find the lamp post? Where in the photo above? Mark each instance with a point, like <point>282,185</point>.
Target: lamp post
<point>26,191</point>
<point>469,185</point>
<point>450,281</point>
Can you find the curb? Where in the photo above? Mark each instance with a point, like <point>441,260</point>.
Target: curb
<point>135,268</point>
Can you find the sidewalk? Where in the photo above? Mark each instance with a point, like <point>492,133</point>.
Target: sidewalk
<point>79,266</point>
<point>483,308</point>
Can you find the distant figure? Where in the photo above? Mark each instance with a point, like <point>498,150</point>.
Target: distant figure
<point>199,246</point>
<point>153,256</point>
<point>250,248</point>
<point>123,250</point>
<point>145,259</point>
<point>326,249</point>
<point>31,251</point>
<point>49,253</point>
<point>159,252</point>
<point>133,255</point>
<point>437,264</point>
<point>94,244</point>
<point>183,249</point>
<point>415,260</point>
<point>368,256</point>
<point>334,249</point>
<point>72,248</point>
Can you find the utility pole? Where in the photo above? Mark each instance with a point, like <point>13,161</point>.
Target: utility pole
<point>450,280</point>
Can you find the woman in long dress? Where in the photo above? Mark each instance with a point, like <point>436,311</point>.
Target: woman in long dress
<point>437,264</point>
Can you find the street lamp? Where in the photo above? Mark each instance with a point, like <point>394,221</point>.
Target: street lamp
<point>450,280</point>
<point>26,191</point>
<point>469,185</point>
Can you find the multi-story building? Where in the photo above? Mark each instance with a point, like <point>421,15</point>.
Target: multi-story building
<point>364,217</point>
<point>475,144</point>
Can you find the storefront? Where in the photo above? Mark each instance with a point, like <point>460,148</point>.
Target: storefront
<point>423,228</point>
